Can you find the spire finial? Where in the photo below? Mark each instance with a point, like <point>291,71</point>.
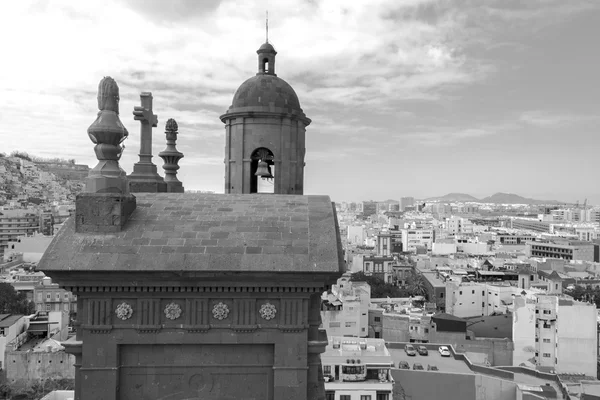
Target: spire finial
<point>267,26</point>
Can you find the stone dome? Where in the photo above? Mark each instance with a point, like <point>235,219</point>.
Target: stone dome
<point>265,90</point>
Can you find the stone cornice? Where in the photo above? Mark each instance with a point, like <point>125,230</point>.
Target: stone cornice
<point>253,112</point>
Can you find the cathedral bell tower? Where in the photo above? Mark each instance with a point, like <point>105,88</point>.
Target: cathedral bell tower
<point>265,134</point>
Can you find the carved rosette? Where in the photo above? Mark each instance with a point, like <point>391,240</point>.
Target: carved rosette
<point>124,311</point>
<point>220,311</point>
<point>267,311</point>
<point>172,311</point>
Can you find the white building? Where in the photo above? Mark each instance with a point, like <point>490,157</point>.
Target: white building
<point>459,226</point>
<point>413,238</point>
<point>555,333</point>
<point>474,299</point>
<point>357,235</point>
<point>345,311</point>
<point>357,369</point>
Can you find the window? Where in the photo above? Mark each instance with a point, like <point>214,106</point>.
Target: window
<point>47,296</point>
<point>460,292</point>
<point>350,324</point>
<point>546,340</point>
<point>441,295</point>
<point>365,397</point>
<point>383,396</point>
<point>547,311</point>
<point>547,355</point>
<point>334,324</point>
<point>353,369</point>
<point>537,340</point>
<point>48,305</point>
<point>483,292</point>
<point>472,291</point>
<point>482,304</point>
<point>345,397</point>
<point>363,329</point>
<point>426,330</point>
<point>326,369</point>
<point>329,395</point>
<point>377,319</point>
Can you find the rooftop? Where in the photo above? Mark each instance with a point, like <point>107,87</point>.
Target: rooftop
<point>208,232</point>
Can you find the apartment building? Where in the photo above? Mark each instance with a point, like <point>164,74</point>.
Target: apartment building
<point>357,369</point>
<point>514,238</point>
<point>474,299</point>
<point>15,223</point>
<point>531,225</point>
<point>555,333</point>
<point>49,296</point>
<point>415,238</point>
<point>459,226</point>
<point>345,309</point>
<point>567,250</point>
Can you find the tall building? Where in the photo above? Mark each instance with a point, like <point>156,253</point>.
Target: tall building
<point>406,202</point>
<point>265,127</point>
<point>15,223</point>
<point>416,238</point>
<point>555,333</point>
<point>369,208</point>
<point>344,309</point>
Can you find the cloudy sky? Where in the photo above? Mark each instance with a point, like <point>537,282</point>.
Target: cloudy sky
<point>407,97</point>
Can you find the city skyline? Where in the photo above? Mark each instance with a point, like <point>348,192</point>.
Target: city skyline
<point>420,98</point>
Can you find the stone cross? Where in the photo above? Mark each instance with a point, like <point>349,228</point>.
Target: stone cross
<point>149,120</point>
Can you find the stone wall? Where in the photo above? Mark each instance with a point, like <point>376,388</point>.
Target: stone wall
<point>433,386</point>
<point>30,366</point>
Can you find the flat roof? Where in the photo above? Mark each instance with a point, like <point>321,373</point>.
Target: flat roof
<point>10,320</point>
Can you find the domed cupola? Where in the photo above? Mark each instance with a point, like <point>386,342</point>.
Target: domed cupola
<point>265,133</point>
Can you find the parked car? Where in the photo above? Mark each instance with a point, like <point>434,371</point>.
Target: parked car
<point>410,350</point>
<point>417,366</point>
<point>432,368</point>
<point>422,350</point>
<point>403,365</point>
<point>444,351</point>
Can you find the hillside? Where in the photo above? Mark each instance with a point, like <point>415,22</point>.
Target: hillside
<point>22,181</point>
<point>459,197</point>
<point>497,198</point>
<point>511,198</point>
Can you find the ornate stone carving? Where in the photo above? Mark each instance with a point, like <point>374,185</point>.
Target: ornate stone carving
<point>107,133</point>
<point>220,311</point>
<point>171,157</point>
<point>172,311</point>
<point>268,311</point>
<point>124,311</point>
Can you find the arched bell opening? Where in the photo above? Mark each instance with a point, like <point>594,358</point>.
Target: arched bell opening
<point>262,171</point>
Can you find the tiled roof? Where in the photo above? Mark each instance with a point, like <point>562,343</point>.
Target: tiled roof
<point>208,232</point>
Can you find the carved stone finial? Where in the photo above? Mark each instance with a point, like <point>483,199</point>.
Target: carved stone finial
<point>171,158</point>
<point>107,133</point>
<point>108,95</point>
<point>171,125</point>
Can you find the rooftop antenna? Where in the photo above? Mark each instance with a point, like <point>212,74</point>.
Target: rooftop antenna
<point>267,26</point>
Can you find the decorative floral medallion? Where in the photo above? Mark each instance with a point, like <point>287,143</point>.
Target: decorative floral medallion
<point>173,311</point>
<point>268,311</point>
<point>124,311</point>
<point>220,311</point>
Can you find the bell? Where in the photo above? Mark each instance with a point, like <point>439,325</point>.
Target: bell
<point>263,170</point>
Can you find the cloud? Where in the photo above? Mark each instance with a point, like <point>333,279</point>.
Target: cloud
<point>549,119</point>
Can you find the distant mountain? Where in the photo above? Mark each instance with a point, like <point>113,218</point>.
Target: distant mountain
<point>459,197</point>
<point>498,198</point>
<point>510,198</point>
